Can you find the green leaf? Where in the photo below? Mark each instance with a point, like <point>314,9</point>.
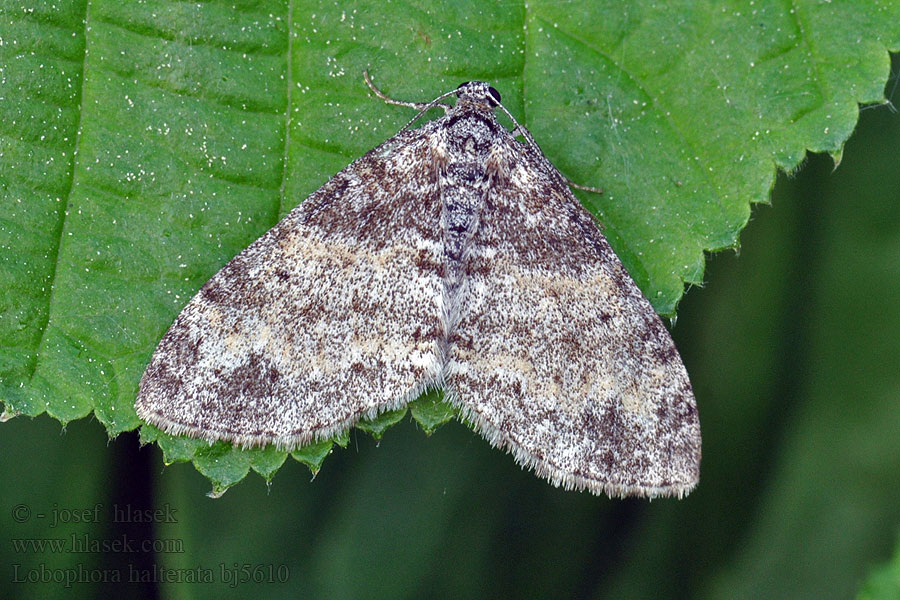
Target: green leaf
<point>266,461</point>
<point>313,455</point>
<point>145,144</point>
<point>431,411</point>
<point>883,583</point>
<point>175,449</point>
<point>377,426</point>
<point>222,465</point>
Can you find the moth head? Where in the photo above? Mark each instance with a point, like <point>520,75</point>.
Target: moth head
<point>478,91</point>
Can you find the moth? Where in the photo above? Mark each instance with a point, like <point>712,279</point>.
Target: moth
<point>451,256</point>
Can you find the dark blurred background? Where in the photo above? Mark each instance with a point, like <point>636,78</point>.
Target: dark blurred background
<point>794,351</point>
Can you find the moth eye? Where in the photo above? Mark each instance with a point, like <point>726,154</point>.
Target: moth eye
<point>463,84</point>
<point>494,94</point>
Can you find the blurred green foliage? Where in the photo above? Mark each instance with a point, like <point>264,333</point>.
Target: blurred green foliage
<point>883,583</point>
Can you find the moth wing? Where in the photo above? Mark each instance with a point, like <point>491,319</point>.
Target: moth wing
<point>331,316</point>
<point>557,356</point>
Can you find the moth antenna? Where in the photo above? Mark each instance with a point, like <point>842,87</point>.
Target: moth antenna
<point>520,130</point>
<point>422,107</point>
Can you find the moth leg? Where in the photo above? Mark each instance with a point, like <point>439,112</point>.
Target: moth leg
<point>586,188</point>
<point>520,130</point>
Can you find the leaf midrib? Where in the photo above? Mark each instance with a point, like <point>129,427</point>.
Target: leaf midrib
<point>287,107</point>
<point>63,219</point>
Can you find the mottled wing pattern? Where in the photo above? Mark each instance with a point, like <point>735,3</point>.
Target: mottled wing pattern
<point>557,356</point>
<point>331,316</point>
